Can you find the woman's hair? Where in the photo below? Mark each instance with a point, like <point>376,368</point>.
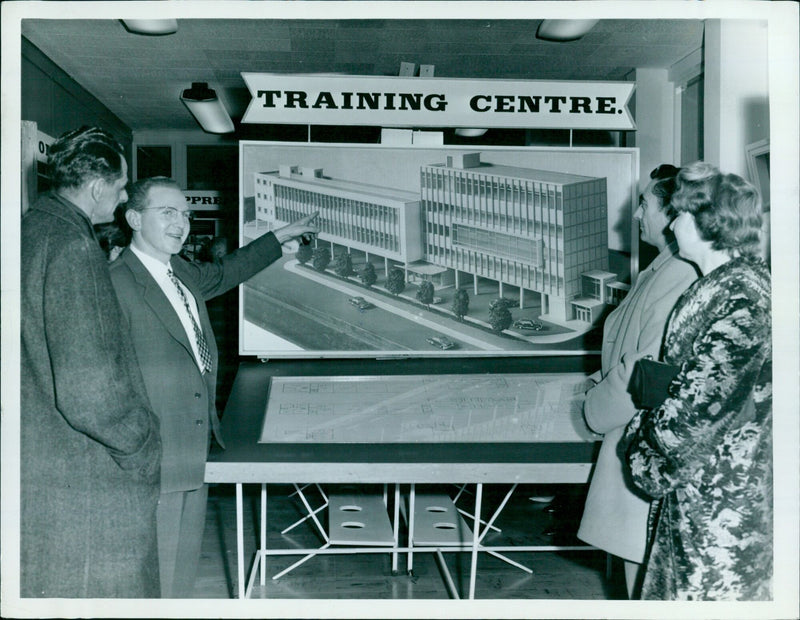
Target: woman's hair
<point>726,208</point>
<point>137,194</point>
<point>664,187</point>
<point>82,155</point>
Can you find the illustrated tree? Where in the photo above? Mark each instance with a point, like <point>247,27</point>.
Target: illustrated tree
<point>304,254</point>
<point>500,318</point>
<point>367,275</point>
<point>425,293</point>
<point>344,265</point>
<point>321,258</point>
<point>500,302</point>
<point>396,281</point>
<point>460,304</point>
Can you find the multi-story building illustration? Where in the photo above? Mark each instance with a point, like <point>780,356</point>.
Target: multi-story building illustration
<point>543,232</point>
<point>534,229</point>
<point>377,220</point>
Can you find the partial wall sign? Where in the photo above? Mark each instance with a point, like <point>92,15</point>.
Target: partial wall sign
<point>43,146</point>
<point>203,200</point>
<point>436,102</point>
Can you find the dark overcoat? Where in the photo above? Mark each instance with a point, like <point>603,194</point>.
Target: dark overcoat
<point>90,444</point>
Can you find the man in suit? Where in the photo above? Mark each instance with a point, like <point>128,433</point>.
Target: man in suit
<point>163,301</point>
<point>90,450</point>
<point>615,514</point>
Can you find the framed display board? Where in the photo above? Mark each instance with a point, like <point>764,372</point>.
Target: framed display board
<point>436,251</point>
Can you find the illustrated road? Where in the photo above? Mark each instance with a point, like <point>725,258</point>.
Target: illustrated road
<point>312,311</point>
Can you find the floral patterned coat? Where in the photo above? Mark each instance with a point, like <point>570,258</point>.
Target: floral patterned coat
<point>706,455</point>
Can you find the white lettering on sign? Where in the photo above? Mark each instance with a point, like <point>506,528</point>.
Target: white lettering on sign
<point>420,102</point>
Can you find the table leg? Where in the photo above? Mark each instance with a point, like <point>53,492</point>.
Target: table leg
<point>313,516</point>
<point>263,567</point>
<point>497,512</point>
<point>396,527</point>
<point>475,541</point>
<point>308,516</point>
<point>410,557</point>
<point>240,539</point>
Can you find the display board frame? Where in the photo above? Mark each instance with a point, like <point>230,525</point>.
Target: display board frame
<point>295,309</point>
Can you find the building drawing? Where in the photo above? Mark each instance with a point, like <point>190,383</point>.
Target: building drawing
<point>374,219</point>
<point>543,232</point>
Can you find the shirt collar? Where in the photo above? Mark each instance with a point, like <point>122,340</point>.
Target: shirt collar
<point>153,265</point>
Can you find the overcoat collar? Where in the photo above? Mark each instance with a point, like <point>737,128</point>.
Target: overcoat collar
<point>663,256</point>
<point>66,210</point>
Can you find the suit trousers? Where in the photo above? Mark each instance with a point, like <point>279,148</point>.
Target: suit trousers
<point>181,519</point>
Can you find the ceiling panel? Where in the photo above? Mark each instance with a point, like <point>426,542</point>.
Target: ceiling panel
<point>140,78</point>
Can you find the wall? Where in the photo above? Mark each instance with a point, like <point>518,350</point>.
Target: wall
<point>736,106</point>
<point>178,140</point>
<point>655,101</point>
<point>58,104</point>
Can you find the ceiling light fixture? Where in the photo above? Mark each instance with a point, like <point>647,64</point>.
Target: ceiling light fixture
<point>470,132</point>
<point>207,109</point>
<point>564,29</point>
<point>151,26</point>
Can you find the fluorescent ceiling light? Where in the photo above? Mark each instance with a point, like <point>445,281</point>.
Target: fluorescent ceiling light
<point>151,26</point>
<point>564,29</point>
<point>207,109</point>
<point>470,132</point>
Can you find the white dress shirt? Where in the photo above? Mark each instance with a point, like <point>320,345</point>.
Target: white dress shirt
<point>159,271</point>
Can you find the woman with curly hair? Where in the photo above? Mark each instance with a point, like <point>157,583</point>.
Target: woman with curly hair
<point>705,454</point>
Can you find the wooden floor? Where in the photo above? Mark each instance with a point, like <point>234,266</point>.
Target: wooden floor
<point>556,575</point>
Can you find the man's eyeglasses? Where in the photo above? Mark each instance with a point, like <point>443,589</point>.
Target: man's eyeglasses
<point>171,213</point>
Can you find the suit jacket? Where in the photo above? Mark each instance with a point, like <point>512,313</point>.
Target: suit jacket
<point>182,396</point>
<point>615,513</point>
<point>90,449</point>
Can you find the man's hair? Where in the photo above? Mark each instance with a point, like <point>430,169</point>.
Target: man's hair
<point>137,194</point>
<point>664,187</point>
<point>83,155</point>
<point>726,208</point>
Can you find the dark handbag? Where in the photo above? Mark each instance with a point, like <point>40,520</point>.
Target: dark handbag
<point>649,382</point>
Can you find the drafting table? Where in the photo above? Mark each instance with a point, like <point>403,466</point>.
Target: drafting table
<point>275,453</point>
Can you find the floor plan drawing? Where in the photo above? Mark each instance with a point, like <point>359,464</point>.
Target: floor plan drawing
<point>424,408</point>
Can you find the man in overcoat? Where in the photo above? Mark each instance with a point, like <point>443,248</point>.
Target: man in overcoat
<point>163,302</point>
<point>90,445</point>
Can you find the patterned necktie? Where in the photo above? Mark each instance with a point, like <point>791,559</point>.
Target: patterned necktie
<point>202,346</point>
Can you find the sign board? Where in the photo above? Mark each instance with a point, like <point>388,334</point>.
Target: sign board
<point>43,143</point>
<point>203,200</point>
<point>437,102</point>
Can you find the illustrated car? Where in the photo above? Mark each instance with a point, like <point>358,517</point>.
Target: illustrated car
<point>443,343</point>
<point>528,324</point>
<point>360,303</point>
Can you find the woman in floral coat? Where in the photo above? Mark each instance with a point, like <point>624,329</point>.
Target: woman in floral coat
<point>706,453</point>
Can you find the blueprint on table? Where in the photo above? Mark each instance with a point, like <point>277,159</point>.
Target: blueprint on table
<point>427,408</point>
